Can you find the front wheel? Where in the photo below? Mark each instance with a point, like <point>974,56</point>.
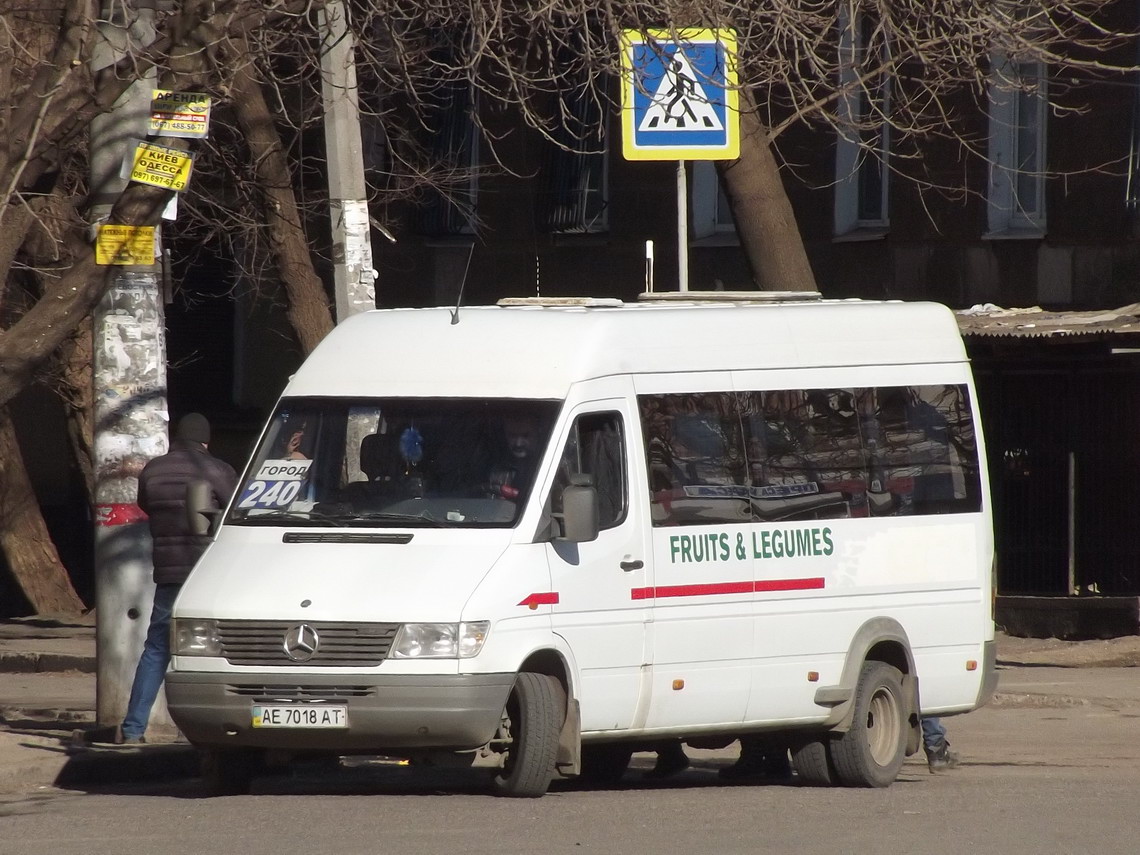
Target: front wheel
<point>872,752</point>
<point>531,723</point>
<point>230,771</point>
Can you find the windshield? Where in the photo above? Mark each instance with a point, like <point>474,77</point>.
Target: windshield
<point>395,462</point>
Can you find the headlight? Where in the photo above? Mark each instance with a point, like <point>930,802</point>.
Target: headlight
<point>195,637</point>
<point>440,640</point>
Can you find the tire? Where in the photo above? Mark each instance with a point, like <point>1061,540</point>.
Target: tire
<point>604,764</point>
<point>230,771</point>
<point>872,752</point>
<point>532,721</point>
<point>812,762</point>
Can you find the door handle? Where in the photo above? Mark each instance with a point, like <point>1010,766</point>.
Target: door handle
<point>635,564</point>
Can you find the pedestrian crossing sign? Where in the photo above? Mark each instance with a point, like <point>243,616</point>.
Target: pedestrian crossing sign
<point>679,95</point>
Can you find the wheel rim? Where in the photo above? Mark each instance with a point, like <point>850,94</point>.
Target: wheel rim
<point>883,726</point>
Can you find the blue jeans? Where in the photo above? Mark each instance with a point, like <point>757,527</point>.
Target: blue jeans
<point>151,669</point>
<point>933,734</point>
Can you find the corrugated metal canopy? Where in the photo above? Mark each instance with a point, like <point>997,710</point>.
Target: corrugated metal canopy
<point>990,321</point>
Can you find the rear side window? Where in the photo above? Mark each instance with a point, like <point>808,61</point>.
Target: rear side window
<point>805,454</point>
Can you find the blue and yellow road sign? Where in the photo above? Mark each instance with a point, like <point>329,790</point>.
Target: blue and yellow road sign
<point>679,95</point>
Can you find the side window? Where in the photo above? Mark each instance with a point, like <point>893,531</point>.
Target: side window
<point>810,454</point>
<point>596,447</point>
<point>922,451</point>
<point>696,458</point>
<point>803,459</point>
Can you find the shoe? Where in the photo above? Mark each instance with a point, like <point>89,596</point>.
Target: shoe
<point>942,759</point>
<point>669,763</point>
<point>110,736</point>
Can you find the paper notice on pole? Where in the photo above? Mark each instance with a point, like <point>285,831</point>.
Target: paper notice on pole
<point>159,166</point>
<point>124,245</point>
<point>179,114</point>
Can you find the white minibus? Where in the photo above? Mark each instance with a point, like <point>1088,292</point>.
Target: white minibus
<point>540,536</point>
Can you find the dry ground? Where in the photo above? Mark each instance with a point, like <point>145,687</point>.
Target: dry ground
<point>1123,652</point>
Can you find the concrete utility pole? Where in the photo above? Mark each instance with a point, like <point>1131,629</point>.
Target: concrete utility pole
<point>130,391</point>
<point>351,245</point>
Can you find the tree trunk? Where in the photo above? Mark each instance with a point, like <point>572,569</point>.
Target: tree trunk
<point>765,222</point>
<point>308,311</point>
<point>76,358</point>
<point>29,342</point>
<point>32,558</point>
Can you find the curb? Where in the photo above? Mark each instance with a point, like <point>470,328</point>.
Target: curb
<point>40,663</point>
<point>1031,700</point>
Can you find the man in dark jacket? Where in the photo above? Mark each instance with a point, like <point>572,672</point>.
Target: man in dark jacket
<point>162,496</point>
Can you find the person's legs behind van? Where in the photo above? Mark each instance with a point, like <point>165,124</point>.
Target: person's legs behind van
<point>759,758</point>
<point>671,759</point>
<point>939,757</point>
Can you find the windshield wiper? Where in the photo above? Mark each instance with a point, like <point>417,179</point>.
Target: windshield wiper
<point>391,516</point>
<point>271,517</point>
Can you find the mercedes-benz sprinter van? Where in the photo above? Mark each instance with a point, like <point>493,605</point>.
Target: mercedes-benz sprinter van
<point>541,536</point>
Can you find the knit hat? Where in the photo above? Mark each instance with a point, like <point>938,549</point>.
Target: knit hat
<point>193,427</point>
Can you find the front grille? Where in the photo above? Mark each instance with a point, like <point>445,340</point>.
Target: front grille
<point>360,645</point>
<point>267,694</point>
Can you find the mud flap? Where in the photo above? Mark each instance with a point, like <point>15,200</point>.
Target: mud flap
<point>914,720</point>
<point>568,762</point>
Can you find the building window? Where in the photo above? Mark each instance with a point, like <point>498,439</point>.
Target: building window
<point>576,193</point>
<point>451,206</point>
<point>862,147</point>
<point>1017,126</point>
<point>711,214</point>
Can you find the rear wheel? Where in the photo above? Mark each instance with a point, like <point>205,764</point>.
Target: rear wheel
<point>604,764</point>
<point>528,735</point>
<point>813,764</point>
<point>872,752</point>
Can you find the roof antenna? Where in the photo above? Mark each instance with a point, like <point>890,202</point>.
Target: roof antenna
<point>462,285</point>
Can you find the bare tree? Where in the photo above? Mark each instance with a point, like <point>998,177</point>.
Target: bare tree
<point>522,56</point>
<point>916,69</point>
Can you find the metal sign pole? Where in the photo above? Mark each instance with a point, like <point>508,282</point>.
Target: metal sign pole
<point>680,102</point>
<point>682,229</point>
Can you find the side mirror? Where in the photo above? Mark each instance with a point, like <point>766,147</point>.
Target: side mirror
<point>201,514</point>
<point>579,517</point>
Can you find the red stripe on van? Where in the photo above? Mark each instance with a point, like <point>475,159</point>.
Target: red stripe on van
<point>547,598</point>
<point>718,588</point>
<point>789,584</point>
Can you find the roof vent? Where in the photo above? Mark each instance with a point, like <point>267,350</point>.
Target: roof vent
<point>729,296</point>
<point>588,302</point>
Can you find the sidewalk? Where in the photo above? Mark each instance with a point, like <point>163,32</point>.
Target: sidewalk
<point>47,690</point>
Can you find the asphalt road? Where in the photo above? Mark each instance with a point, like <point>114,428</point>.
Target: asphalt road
<point>1051,768</point>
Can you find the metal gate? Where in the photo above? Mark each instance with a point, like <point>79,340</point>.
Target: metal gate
<point>1065,476</point>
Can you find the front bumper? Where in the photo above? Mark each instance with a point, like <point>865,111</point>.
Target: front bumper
<point>385,713</point>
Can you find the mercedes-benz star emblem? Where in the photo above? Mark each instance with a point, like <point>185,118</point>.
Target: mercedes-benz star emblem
<point>301,643</point>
